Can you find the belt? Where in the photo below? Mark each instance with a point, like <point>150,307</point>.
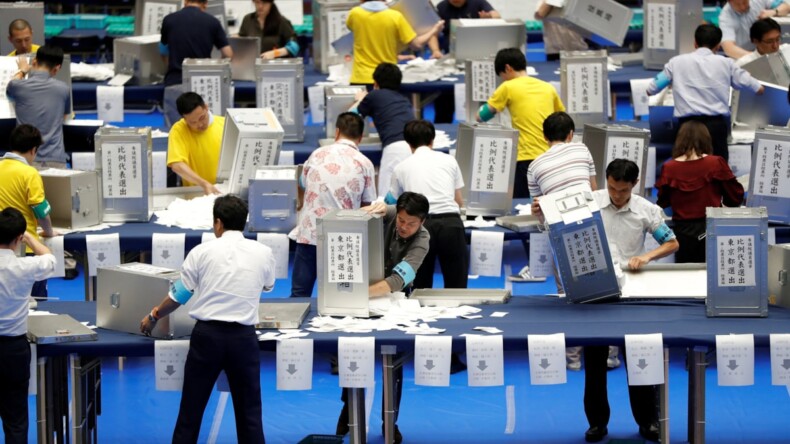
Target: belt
<point>443,215</point>
<point>12,338</point>
<point>225,324</point>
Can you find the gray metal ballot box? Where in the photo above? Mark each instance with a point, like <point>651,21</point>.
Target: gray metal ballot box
<point>329,25</point>
<point>603,21</point>
<point>280,86</point>
<point>246,51</point>
<point>126,293</point>
<point>148,15</point>
<point>123,162</point>
<point>338,100</point>
<point>421,14</point>
<point>778,269</point>
<point>487,155</point>
<point>480,82</point>
<point>272,199</point>
<point>771,68</point>
<point>476,39</point>
<point>752,111</point>
<point>252,138</point>
<point>609,142</point>
<point>668,30</point>
<point>736,254</point>
<point>769,181</point>
<point>139,57</point>
<point>32,12</point>
<point>74,196</point>
<point>211,78</point>
<point>350,258</point>
<point>580,246</point>
<point>585,86</point>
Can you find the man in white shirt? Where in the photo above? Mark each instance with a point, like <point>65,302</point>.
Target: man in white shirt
<point>736,18</point>
<point>17,275</point>
<point>766,36</point>
<point>226,277</point>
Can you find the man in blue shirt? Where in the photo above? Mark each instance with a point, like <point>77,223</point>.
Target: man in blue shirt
<point>736,18</point>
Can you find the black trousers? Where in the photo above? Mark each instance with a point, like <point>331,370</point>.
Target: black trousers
<point>644,405</point>
<point>14,380</point>
<point>719,128</point>
<point>397,393</point>
<point>692,248</point>
<point>216,346</point>
<point>520,183</point>
<point>448,243</point>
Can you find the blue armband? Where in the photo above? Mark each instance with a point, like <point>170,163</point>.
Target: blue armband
<point>485,113</point>
<point>663,234</point>
<point>776,4</point>
<point>42,210</point>
<point>389,199</point>
<point>292,47</point>
<point>404,270</point>
<point>662,80</point>
<point>179,293</point>
<point>355,110</point>
<point>163,49</point>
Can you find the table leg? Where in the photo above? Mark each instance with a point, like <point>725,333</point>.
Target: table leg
<point>696,403</point>
<point>356,415</point>
<point>387,355</point>
<point>416,105</point>
<point>86,398</point>
<point>43,396</point>
<point>663,394</point>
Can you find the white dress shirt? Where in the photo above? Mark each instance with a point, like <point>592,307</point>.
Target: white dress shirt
<point>434,174</point>
<point>227,276</point>
<point>17,275</point>
<point>735,27</point>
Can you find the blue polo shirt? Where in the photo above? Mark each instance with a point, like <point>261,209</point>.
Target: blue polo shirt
<point>189,34</point>
<point>390,112</point>
<point>470,10</point>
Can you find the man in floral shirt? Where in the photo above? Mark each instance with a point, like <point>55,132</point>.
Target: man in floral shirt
<point>337,176</point>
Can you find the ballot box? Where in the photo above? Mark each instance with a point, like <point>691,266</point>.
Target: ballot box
<point>769,181</point>
<point>139,57</point>
<point>475,39</point>
<point>486,154</point>
<point>150,13</point>
<point>211,78</point>
<point>74,196</point>
<point>280,86</point>
<point>584,87</point>
<point>580,246</point>
<point>32,12</point>
<point>668,30</point>
<point>771,68</point>
<point>609,142</point>
<point>272,199</point>
<point>124,165</point>
<point>252,138</point>
<point>603,21</point>
<point>350,257</point>
<point>338,100</point>
<point>480,82</point>
<point>751,111</point>
<point>421,14</point>
<point>736,253</point>
<point>126,293</point>
<point>329,25</point>
<point>246,51</point>
<point>778,269</point>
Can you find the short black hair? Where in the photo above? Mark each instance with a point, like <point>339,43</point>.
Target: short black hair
<point>231,211</point>
<point>419,133</point>
<point>388,76</point>
<point>18,25</point>
<point>49,56</point>
<point>414,204</point>
<point>623,170</point>
<point>707,36</point>
<point>187,102</point>
<point>24,138</point>
<point>762,27</point>
<point>558,126</point>
<point>351,125</point>
<point>12,225</point>
<point>509,56</point>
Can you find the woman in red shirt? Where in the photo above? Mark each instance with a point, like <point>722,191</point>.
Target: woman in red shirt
<point>691,181</point>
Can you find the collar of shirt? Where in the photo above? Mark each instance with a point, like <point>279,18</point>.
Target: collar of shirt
<point>423,150</point>
<point>347,143</point>
<point>374,6</point>
<point>703,51</point>
<point>14,156</point>
<point>37,73</point>
<point>626,207</point>
<point>232,235</point>
<point>6,252</point>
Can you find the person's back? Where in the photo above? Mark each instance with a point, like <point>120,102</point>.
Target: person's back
<point>189,33</point>
<point>379,34</point>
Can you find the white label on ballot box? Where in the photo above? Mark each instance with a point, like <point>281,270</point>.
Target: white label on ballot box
<point>210,89</point>
<point>355,358</point>
<point>639,96</point>
<point>169,360</point>
<point>491,164</point>
<point>485,253</point>
<point>584,250</point>
<point>485,365</point>
<point>278,242</point>
<point>772,169</point>
<point>8,68</point>
<point>585,88</point>
<point>661,26</point>
<point>780,359</point>
<point>153,14</point>
<point>344,255</point>
<point>735,359</point>
<point>315,94</point>
<point>645,359</point>
<point>159,159</point>
<point>650,172</point>
<point>736,261</point>
<point>277,96</point>
<point>336,29</point>
<point>122,170</point>
<point>630,148</point>
<point>432,360</point>
<point>167,250</point>
<point>740,159</point>
<point>459,95</point>
<point>251,153</point>
<point>295,364</point>
<point>483,80</point>
<point>55,245</point>
<point>109,103</point>
<point>540,256</point>
<point>547,359</point>
<point>103,251</point>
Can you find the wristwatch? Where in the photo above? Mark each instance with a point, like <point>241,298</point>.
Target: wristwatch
<point>151,318</point>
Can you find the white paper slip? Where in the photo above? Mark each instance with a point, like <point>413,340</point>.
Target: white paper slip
<point>484,359</point>
<point>492,330</point>
<point>315,95</point>
<point>55,245</point>
<point>472,317</point>
<point>486,253</point>
<point>295,364</point>
<point>499,314</point>
<point>103,251</point>
<point>735,359</point>
<point>432,360</point>
<point>159,169</point>
<point>540,255</point>
<point>639,96</point>
<point>355,361</point>
<point>119,80</point>
<point>459,94</point>
<point>780,359</point>
<point>167,250</point>
<point>169,360</point>
<point>109,103</point>
<point>645,358</point>
<point>279,243</point>
<point>547,359</point>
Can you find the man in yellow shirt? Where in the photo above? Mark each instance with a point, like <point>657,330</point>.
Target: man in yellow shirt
<point>529,101</point>
<point>21,187</point>
<point>20,34</point>
<point>380,34</point>
<point>195,142</point>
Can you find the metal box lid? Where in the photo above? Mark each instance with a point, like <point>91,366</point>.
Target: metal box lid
<point>282,314</point>
<point>454,297</point>
<point>57,328</point>
<point>736,213</point>
<point>598,20</point>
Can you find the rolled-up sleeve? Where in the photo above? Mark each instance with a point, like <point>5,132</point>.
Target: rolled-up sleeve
<point>741,79</point>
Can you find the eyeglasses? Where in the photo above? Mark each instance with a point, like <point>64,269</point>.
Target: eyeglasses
<point>775,41</point>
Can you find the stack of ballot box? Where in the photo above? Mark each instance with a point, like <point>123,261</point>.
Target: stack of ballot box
<point>350,257</point>
<point>736,253</point>
<point>124,166</point>
<point>580,246</point>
